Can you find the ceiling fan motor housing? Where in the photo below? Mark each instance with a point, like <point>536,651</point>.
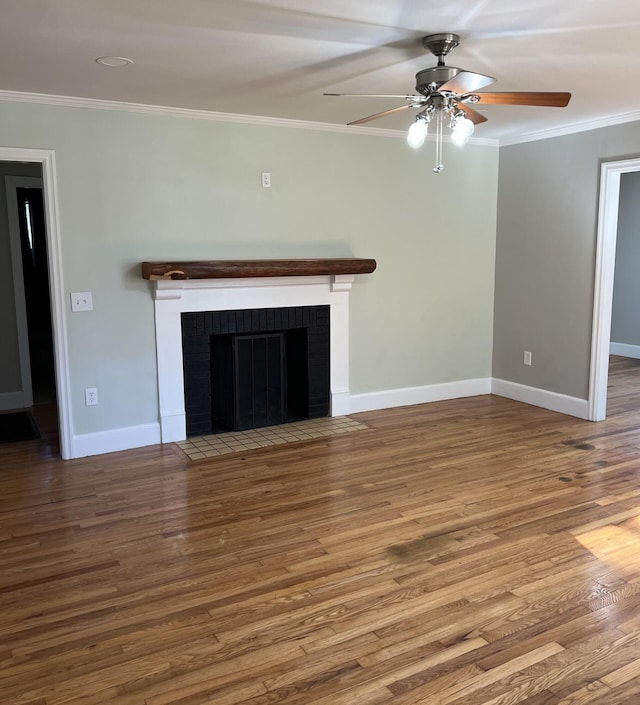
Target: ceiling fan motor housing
<point>429,80</point>
<point>436,75</point>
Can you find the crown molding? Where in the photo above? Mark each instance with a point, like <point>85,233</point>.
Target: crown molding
<point>572,129</point>
<point>120,106</point>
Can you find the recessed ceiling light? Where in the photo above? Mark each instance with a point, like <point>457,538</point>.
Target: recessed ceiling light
<point>114,61</point>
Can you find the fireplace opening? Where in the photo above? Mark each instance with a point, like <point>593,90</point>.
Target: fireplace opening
<point>252,368</point>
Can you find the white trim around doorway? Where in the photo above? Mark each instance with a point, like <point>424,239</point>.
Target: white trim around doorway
<point>610,173</point>
<point>46,158</point>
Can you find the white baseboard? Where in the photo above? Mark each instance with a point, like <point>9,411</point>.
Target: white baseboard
<point>115,439</point>
<point>173,427</point>
<point>625,350</point>
<point>541,397</point>
<point>12,400</point>
<point>387,399</point>
<point>340,403</point>
<point>149,434</point>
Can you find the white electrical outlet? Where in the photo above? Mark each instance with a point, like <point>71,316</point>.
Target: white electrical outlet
<point>526,357</point>
<point>90,396</point>
<point>82,301</point>
<point>266,179</point>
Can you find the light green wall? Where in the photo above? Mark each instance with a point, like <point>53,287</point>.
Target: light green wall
<point>545,263</point>
<point>136,187</point>
<point>625,313</point>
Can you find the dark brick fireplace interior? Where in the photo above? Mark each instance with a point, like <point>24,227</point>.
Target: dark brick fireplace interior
<point>252,368</point>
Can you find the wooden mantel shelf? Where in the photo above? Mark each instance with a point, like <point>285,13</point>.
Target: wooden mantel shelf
<point>240,269</point>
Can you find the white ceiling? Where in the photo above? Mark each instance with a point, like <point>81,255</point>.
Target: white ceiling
<point>275,58</point>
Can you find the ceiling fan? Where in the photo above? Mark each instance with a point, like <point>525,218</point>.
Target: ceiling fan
<point>449,92</point>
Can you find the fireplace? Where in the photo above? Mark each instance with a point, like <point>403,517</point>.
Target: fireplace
<point>247,285</point>
<point>251,368</point>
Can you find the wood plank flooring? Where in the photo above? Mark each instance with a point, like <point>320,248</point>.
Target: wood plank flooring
<point>476,551</point>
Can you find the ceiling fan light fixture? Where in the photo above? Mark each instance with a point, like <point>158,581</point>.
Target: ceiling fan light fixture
<point>418,132</point>
<point>462,131</point>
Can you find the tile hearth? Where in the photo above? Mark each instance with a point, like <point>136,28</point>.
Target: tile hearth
<point>212,445</point>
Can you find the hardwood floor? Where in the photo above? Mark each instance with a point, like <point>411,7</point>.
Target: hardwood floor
<point>476,551</point>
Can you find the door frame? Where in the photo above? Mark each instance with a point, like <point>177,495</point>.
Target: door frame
<point>609,201</point>
<point>46,158</point>
<point>12,183</point>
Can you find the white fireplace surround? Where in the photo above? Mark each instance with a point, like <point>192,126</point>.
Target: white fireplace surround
<point>173,297</point>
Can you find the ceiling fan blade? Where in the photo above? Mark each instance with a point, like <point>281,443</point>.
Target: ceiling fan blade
<point>376,95</point>
<point>548,100</point>
<point>466,82</point>
<point>473,115</point>
<point>379,115</point>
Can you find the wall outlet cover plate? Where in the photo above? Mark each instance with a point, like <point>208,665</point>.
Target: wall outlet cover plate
<point>81,301</point>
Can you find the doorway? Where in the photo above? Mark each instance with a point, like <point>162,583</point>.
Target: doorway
<point>30,269</point>
<point>49,374</point>
<point>33,331</point>
<point>35,275</point>
<point>609,202</point>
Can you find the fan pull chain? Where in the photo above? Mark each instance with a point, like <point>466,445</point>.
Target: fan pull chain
<point>439,165</point>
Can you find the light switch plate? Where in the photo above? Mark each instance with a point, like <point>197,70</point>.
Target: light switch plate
<point>81,301</point>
